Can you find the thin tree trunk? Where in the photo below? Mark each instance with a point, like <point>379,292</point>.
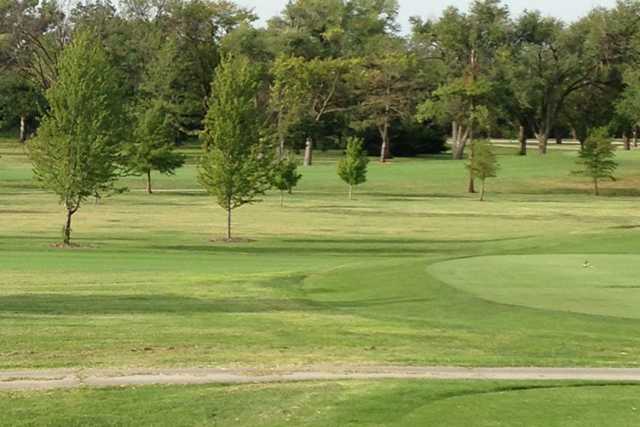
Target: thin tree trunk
<point>471,188</point>
<point>454,131</point>
<point>522,139</point>
<point>627,141</point>
<point>149,190</point>
<point>385,151</point>
<point>482,191</point>
<point>229,224</point>
<point>350,192</point>
<point>23,128</point>
<point>595,187</point>
<point>281,149</point>
<point>67,228</point>
<point>635,137</point>
<point>282,198</point>
<point>308,152</point>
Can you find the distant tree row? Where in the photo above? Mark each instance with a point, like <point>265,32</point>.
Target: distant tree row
<point>324,73</point>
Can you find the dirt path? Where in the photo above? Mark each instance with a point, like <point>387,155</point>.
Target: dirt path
<point>72,378</point>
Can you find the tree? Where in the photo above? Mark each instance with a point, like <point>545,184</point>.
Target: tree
<point>20,103</point>
<point>77,150</point>
<point>386,86</point>
<point>597,158</point>
<point>285,176</point>
<point>352,168</point>
<point>235,165</point>
<point>483,163</point>
<point>153,143</point>
<point>307,91</point>
<point>467,44</point>
<point>628,105</point>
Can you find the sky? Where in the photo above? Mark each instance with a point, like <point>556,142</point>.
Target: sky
<point>568,10</point>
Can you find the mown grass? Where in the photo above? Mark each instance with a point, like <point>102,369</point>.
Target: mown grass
<point>414,271</point>
<point>324,280</point>
<point>357,403</point>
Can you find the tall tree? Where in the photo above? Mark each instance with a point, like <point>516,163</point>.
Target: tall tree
<point>77,150</point>
<point>235,166</point>
<point>20,103</point>
<point>386,86</point>
<point>308,91</point>
<point>467,44</point>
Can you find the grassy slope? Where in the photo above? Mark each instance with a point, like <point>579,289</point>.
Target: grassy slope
<point>386,403</point>
<point>326,280</point>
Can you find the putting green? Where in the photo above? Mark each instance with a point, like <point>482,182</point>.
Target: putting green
<point>593,284</point>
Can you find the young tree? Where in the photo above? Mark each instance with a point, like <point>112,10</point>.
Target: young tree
<point>235,165</point>
<point>285,176</point>
<point>352,168</point>
<point>483,163</point>
<point>78,146</point>
<point>152,147</point>
<point>597,158</point>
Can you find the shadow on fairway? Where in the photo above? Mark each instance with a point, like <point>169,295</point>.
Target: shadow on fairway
<point>65,304</point>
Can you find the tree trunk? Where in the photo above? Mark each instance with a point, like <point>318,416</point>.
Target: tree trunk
<point>454,131</point>
<point>149,190</point>
<point>385,153</point>
<point>229,224</point>
<point>522,139</point>
<point>23,127</point>
<point>543,139</point>
<point>385,150</point>
<point>482,191</point>
<point>350,192</point>
<point>627,141</point>
<point>471,188</point>
<point>596,190</point>
<point>635,137</point>
<point>574,134</point>
<point>308,152</point>
<point>281,149</point>
<point>282,198</point>
<point>66,231</point>
<point>462,136</point>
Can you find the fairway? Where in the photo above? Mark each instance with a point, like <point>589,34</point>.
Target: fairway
<point>605,285</point>
<point>356,403</point>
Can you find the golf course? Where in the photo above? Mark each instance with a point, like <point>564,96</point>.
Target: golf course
<point>413,271</point>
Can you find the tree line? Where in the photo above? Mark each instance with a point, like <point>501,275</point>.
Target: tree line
<point>134,79</point>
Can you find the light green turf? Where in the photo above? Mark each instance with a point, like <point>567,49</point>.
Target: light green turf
<point>324,280</point>
<point>386,403</point>
<point>607,285</point>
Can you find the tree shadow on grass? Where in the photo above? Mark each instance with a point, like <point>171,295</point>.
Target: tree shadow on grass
<point>65,304</point>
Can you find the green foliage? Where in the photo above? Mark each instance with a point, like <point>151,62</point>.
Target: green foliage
<point>153,142</point>
<point>78,147</point>
<point>235,164</point>
<point>285,175</point>
<point>352,168</point>
<point>596,159</point>
<point>483,163</point>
